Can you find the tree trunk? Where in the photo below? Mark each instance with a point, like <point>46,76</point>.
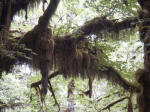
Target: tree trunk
<point>146,80</point>
<point>5,19</point>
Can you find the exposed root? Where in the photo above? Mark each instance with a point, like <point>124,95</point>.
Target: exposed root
<point>36,86</point>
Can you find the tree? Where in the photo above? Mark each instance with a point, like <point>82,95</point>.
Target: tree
<point>144,36</point>
<point>71,58</point>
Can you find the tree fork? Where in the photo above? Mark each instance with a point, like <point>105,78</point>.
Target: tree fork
<point>36,84</point>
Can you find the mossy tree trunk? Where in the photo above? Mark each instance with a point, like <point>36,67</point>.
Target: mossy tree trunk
<point>5,20</point>
<point>146,84</point>
<point>144,28</point>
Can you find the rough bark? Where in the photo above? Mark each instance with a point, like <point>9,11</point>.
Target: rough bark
<point>144,97</point>
<point>5,19</point>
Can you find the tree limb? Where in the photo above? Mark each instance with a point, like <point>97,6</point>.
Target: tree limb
<point>115,77</point>
<point>44,19</point>
<point>35,84</point>
<point>10,106</point>
<point>113,103</point>
<point>53,94</point>
<point>99,24</point>
<point>108,96</point>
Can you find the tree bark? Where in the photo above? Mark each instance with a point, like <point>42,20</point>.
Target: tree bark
<point>146,80</point>
<point>144,30</point>
<point>5,19</point>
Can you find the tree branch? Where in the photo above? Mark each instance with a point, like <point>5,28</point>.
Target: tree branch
<point>115,77</point>
<point>100,24</point>
<point>35,84</point>
<point>113,103</point>
<point>10,106</point>
<point>44,19</point>
<point>107,96</point>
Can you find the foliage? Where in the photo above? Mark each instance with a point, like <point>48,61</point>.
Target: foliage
<point>113,8</point>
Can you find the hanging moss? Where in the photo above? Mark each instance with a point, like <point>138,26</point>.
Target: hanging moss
<point>72,59</point>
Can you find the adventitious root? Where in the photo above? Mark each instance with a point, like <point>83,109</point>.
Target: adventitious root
<point>113,103</point>
<point>53,94</point>
<point>36,86</point>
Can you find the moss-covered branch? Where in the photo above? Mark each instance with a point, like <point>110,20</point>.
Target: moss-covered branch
<point>100,24</point>
<point>108,73</point>
<point>36,84</point>
<point>115,77</point>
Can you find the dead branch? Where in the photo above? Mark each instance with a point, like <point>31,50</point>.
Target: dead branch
<point>10,105</point>
<point>113,103</point>
<point>107,96</point>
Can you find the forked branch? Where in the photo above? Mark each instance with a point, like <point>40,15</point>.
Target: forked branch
<point>36,84</point>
